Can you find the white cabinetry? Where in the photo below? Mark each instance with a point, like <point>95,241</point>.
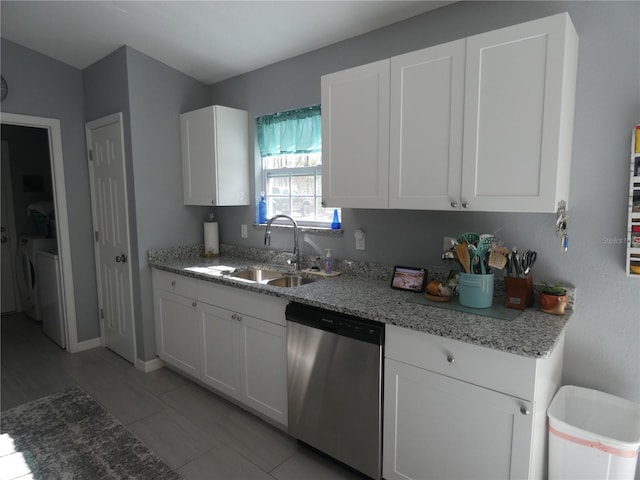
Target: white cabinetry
<point>518,120</point>
<point>483,123</point>
<point>176,321</point>
<point>427,99</point>
<point>215,156</point>
<point>231,340</point>
<point>355,137</point>
<point>455,410</point>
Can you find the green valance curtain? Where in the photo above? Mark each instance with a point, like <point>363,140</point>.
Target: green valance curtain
<point>293,132</point>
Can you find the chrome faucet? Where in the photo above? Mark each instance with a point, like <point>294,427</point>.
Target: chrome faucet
<point>296,248</point>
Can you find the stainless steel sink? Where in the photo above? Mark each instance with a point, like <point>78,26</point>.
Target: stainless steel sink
<point>290,281</point>
<point>257,275</point>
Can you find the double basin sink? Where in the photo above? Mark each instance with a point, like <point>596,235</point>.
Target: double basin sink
<point>271,277</point>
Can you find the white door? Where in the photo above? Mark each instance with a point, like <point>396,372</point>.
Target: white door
<point>9,299</point>
<point>220,356</point>
<point>427,104</point>
<point>519,96</point>
<point>437,427</point>
<point>264,367</point>
<point>111,224</point>
<point>355,137</point>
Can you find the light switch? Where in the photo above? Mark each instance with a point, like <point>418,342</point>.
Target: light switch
<point>243,231</point>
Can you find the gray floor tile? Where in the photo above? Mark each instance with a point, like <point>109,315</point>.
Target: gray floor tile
<point>128,403</point>
<point>173,438</point>
<point>198,404</point>
<point>254,439</point>
<point>222,464</point>
<point>307,465</point>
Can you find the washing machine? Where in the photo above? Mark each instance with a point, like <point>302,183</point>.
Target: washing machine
<point>27,274</point>
<point>50,295</point>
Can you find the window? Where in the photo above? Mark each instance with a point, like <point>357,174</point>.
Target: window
<point>291,150</point>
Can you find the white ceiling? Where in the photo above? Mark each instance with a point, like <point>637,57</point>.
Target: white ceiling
<point>208,40</point>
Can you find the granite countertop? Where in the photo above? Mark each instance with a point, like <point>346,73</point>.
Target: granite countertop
<point>365,292</point>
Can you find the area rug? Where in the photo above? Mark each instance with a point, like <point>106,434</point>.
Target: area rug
<point>69,436</point>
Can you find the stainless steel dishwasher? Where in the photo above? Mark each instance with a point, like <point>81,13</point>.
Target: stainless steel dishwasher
<point>334,367</point>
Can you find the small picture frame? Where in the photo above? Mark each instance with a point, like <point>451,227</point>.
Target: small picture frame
<point>412,279</point>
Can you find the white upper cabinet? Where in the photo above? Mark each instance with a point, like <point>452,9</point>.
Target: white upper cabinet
<point>215,156</point>
<point>518,119</point>
<point>355,137</point>
<point>427,95</point>
<point>484,123</point>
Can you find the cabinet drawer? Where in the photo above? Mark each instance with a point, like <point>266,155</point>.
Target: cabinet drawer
<point>172,282</point>
<point>500,371</point>
<point>265,307</point>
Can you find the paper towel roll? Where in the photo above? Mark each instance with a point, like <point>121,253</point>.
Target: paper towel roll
<point>211,243</point>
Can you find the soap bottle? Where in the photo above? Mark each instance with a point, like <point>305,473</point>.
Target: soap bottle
<point>262,210</point>
<point>328,262</point>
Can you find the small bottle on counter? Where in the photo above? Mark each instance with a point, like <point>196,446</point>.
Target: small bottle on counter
<point>336,225</point>
<point>262,210</point>
<point>328,262</point>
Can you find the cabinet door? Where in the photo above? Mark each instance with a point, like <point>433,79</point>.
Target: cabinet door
<point>427,104</point>
<point>355,137</point>
<point>198,165</point>
<point>518,119</point>
<point>220,353</point>
<point>176,331</point>
<point>264,367</point>
<point>215,158</point>
<point>436,427</point>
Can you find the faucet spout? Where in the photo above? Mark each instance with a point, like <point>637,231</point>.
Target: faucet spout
<point>296,247</point>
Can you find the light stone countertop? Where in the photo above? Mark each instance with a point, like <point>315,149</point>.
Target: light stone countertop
<point>366,292</point>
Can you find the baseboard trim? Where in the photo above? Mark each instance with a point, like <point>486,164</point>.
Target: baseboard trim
<point>149,366</point>
<point>88,344</point>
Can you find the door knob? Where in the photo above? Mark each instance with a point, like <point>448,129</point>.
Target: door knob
<point>121,258</point>
<point>4,239</point>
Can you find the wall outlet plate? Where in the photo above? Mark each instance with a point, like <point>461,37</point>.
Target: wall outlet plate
<point>447,243</point>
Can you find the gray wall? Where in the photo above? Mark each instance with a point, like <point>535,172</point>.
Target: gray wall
<point>151,97</point>
<point>42,87</point>
<point>603,338</point>
<point>158,94</point>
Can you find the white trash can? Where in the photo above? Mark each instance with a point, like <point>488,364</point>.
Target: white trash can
<point>592,435</point>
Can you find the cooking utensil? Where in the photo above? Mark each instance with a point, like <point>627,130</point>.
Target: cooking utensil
<point>463,256</point>
<point>529,257</point>
<point>516,261</point>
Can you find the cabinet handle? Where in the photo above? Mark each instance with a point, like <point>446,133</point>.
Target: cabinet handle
<point>173,283</point>
<point>451,358</point>
<point>454,204</point>
<point>465,204</point>
<point>524,410</point>
<point>194,304</point>
<point>213,202</point>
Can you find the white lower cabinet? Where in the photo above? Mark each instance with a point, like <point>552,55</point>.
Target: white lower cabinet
<point>231,340</point>
<point>245,358</point>
<point>439,427</point>
<point>458,411</point>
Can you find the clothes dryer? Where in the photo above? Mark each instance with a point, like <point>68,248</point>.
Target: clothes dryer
<point>26,271</point>
<point>50,296</point>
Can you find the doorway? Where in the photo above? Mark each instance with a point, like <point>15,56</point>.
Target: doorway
<point>50,128</point>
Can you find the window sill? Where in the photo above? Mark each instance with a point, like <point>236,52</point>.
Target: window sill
<point>301,228</point>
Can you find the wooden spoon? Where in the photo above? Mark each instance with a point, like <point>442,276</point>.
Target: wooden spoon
<point>463,256</point>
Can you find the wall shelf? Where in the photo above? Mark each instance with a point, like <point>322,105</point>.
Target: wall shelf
<point>632,260</point>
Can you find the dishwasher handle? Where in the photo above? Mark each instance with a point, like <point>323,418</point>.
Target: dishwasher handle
<point>339,323</point>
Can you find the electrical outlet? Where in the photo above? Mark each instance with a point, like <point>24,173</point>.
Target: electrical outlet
<point>447,243</point>
<point>243,231</point>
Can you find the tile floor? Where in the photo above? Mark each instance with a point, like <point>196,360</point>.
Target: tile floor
<point>199,434</point>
